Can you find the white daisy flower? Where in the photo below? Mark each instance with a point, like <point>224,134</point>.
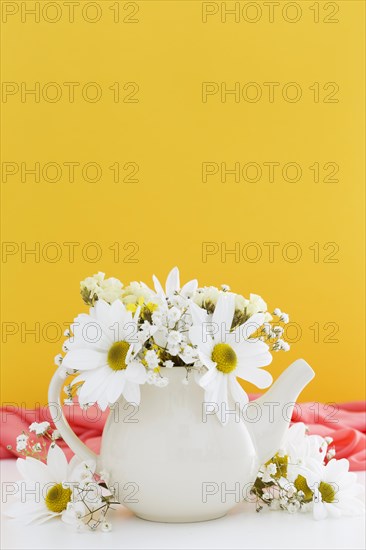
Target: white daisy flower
<point>44,492</point>
<point>335,489</point>
<point>103,347</point>
<point>228,355</point>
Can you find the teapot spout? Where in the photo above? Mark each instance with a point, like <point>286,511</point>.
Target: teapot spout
<point>274,409</point>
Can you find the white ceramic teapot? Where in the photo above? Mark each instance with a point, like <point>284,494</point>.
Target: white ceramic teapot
<point>173,461</point>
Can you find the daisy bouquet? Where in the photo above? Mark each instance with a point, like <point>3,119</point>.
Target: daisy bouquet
<point>132,333</point>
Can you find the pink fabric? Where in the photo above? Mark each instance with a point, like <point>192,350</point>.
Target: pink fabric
<point>344,422</point>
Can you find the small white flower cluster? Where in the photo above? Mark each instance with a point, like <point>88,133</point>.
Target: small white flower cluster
<point>90,500</point>
<point>22,442</point>
<point>39,428</point>
<point>304,476</point>
<point>98,288</point>
<point>26,445</point>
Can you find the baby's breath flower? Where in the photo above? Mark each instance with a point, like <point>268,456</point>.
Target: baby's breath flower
<point>293,506</point>
<point>39,428</point>
<point>284,318</point>
<point>331,454</point>
<point>22,441</point>
<point>152,359</point>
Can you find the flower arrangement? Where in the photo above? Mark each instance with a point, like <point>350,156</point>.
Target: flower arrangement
<point>132,333</point>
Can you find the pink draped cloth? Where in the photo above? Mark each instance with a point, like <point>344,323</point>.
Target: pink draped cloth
<point>344,422</point>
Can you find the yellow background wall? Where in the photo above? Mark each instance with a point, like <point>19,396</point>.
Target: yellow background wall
<point>169,52</point>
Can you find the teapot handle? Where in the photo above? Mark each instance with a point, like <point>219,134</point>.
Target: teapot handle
<point>55,408</point>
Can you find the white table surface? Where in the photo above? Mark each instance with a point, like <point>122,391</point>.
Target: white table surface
<point>243,528</point>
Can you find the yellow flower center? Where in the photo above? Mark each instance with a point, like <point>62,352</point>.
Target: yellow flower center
<point>325,489</point>
<point>327,492</point>
<point>224,357</point>
<point>301,485</point>
<point>117,355</point>
<point>57,498</point>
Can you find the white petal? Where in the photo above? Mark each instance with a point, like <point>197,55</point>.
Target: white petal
<point>33,469</point>
<point>208,377</point>
<point>136,372</point>
<point>47,517</point>
<point>199,337</point>
<point>115,386</point>
<point>319,510</point>
<point>335,468</point>
<point>133,348</point>
<point>333,510</point>
<point>96,393</point>
<point>206,360</point>
<point>172,283</point>
<point>246,347</point>
<point>21,509</point>
<point>93,381</point>
<point>189,287</point>
<point>216,392</point>
<point>261,378</point>
<point>237,392</point>
<point>88,332</point>
<point>102,312</point>
<point>118,309</point>
<point>39,517</point>
<point>252,361</point>
<point>250,326</point>
<point>131,392</point>
<point>84,359</point>
<point>57,464</point>
<point>74,463</point>
<point>198,314</point>
<point>102,401</point>
<point>223,314</point>
<point>158,288</point>
<point>222,396</point>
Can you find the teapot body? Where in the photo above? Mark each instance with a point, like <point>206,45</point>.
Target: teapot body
<point>171,462</point>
